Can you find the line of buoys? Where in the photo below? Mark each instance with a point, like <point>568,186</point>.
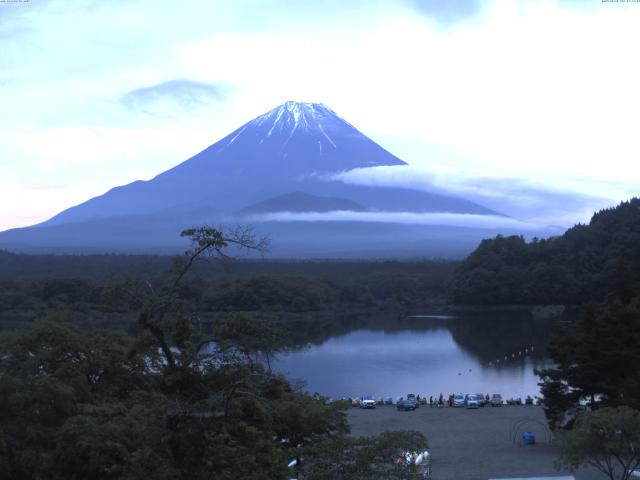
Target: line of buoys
<point>520,353</point>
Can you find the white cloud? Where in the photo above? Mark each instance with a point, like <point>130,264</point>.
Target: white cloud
<point>533,197</point>
<point>184,94</point>
<point>412,218</point>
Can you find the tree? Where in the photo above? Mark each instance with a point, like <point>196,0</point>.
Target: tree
<point>362,458</point>
<point>228,407</point>
<point>81,403</point>
<point>162,313</point>
<point>250,336</point>
<point>596,361</point>
<point>607,439</point>
<point>578,267</point>
<point>53,375</point>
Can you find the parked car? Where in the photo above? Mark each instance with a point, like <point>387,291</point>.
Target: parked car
<point>458,400</point>
<point>406,405</point>
<point>412,398</point>
<point>367,402</point>
<point>496,400</point>
<point>471,401</point>
<point>388,400</point>
<point>480,399</point>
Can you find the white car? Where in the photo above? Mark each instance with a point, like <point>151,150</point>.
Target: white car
<point>472,401</point>
<point>458,400</point>
<point>367,402</point>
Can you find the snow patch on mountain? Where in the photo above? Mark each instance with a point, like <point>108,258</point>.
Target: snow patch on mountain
<point>295,115</point>
<point>237,135</point>
<point>327,136</point>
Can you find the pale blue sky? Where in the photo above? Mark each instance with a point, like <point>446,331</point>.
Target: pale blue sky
<point>95,94</point>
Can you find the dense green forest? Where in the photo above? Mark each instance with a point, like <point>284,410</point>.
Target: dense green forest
<point>597,356</point>
<point>180,385</point>
<point>95,289</point>
<point>595,267</point>
<point>103,268</point>
<point>174,400</point>
<point>573,269</point>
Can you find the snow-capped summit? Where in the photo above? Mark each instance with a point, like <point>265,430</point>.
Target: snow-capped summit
<point>306,138</point>
<point>297,115</point>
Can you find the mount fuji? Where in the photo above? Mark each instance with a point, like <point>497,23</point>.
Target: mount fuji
<point>284,161</point>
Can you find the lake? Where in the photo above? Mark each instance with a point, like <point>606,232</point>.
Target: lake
<point>426,355</point>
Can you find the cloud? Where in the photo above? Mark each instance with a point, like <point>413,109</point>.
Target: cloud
<point>183,94</point>
<point>447,11</point>
<point>407,218</point>
<point>532,198</point>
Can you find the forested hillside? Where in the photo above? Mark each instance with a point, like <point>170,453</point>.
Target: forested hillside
<point>575,268</point>
<point>96,289</point>
<point>595,267</point>
<point>176,400</point>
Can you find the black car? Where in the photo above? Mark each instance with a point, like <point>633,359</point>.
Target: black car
<point>406,405</point>
<point>412,398</point>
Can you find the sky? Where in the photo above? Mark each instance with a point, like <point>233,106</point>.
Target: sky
<point>529,105</point>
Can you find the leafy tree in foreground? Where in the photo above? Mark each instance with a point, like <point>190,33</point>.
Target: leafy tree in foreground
<point>363,458</point>
<point>596,360</point>
<point>173,403</point>
<point>249,336</point>
<point>163,314</point>
<point>73,405</point>
<point>607,439</point>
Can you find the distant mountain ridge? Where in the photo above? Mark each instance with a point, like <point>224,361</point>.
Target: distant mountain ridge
<point>302,202</point>
<point>287,157</point>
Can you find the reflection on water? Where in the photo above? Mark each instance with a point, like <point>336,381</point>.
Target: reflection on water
<point>428,356</point>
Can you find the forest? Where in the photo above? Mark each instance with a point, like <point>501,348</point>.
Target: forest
<point>94,289</point>
<point>150,366</point>
<point>595,267</point>
<point>178,399</point>
<point>573,269</point>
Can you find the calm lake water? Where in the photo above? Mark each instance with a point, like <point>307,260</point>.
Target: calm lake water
<point>426,355</point>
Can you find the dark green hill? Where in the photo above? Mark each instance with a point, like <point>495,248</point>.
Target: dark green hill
<point>584,265</point>
<point>302,202</point>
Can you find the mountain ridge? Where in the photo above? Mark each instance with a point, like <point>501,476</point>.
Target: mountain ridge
<point>295,147</point>
<point>302,202</point>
